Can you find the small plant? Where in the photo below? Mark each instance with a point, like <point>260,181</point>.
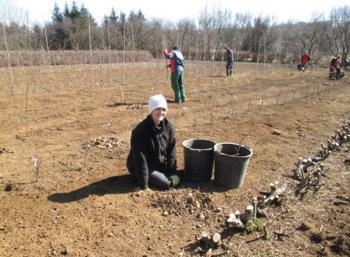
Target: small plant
<point>254,225</point>
<point>267,234</point>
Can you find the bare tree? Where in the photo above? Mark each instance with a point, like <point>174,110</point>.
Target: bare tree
<point>340,21</point>
<point>222,19</point>
<point>185,29</point>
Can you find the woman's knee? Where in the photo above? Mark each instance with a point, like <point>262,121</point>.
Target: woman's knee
<point>159,180</point>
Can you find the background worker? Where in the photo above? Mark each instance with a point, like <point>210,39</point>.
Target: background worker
<point>177,73</point>
<point>152,157</point>
<point>305,58</point>
<point>334,69</point>
<point>229,61</point>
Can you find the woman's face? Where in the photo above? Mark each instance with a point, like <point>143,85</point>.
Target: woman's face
<point>158,115</point>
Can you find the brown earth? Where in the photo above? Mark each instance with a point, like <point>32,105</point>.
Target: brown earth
<point>80,201</point>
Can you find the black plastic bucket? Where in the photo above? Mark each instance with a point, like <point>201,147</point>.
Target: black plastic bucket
<point>231,163</point>
<point>198,159</point>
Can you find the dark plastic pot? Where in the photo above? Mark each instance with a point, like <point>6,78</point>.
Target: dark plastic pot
<point>198,159</point>
<point>231,163</point>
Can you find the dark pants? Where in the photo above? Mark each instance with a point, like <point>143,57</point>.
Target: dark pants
<point>335,74</point>
<point>301,67</point>
<point>229,68</point>
<point>159,179</point>
<point>177,83</point>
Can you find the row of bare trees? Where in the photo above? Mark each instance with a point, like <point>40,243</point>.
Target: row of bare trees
<point>258,39</point>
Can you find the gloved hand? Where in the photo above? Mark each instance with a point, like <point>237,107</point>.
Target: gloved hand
<point>175,180</point>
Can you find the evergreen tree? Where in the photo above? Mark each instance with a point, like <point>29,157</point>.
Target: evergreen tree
<point>140,16</point>
<point>122,17</point>
<point>113,17</point>
<point>66,11</point>
<point>74,12</point>
<point>56,14</point>
<point>105,21</point>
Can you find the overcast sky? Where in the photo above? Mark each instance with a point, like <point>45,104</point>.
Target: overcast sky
<point>282,10</point>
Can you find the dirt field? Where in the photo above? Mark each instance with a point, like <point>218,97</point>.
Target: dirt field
<point>80,201</point>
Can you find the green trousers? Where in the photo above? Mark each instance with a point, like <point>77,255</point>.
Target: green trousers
<point>177,83</point>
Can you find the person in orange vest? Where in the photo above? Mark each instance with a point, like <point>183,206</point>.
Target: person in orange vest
<point>177,73</point>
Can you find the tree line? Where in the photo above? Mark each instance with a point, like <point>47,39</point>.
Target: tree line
<point>258,38</point>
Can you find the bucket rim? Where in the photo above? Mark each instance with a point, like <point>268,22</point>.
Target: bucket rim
<point>237,144</point>
<point>196,149</point>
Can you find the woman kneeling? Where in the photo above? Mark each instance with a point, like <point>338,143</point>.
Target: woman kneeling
<point>152,157</point>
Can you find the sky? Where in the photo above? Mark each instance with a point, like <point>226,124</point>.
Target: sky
<point>175,10</point>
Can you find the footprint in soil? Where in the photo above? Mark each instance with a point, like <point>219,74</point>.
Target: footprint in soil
<point>316,238</point>
<point>8,188</point>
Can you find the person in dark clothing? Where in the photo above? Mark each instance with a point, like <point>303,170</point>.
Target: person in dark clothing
<point>152,157</point>
<point>229,61</point>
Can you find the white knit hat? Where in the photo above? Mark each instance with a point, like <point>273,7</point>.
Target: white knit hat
<point>157,101</point>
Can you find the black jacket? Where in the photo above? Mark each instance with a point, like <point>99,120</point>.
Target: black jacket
<point>229,56</point>
<point>152,148</point>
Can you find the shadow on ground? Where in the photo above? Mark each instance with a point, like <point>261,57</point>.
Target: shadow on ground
<point>113,185</point>
<point>120,185</point>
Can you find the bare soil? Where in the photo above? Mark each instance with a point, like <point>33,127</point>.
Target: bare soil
<point>80,202</point>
